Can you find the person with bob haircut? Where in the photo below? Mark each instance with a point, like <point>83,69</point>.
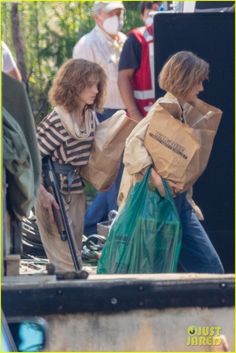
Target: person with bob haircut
<point>67,134</point>
<point>183,75</point>
<point>182,78</point>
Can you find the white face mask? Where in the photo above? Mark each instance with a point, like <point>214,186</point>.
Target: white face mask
<point>112,25</point>
<point>148,21</point>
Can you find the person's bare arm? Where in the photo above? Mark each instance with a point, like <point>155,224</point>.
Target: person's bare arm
<point>126,90</point>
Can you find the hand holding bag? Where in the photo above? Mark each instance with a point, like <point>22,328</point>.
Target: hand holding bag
<point>146,235</point>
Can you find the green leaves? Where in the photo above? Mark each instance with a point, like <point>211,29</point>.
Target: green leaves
<point>49,31</point>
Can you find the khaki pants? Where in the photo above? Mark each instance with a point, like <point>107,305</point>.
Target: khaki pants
<point>57,250</point>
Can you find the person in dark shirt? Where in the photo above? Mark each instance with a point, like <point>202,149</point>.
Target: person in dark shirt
<point>136,66</point>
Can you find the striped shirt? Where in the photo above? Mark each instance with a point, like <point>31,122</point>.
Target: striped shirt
<point>56,141</point>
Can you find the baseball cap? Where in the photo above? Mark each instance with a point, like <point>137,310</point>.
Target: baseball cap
<point>107,6</point>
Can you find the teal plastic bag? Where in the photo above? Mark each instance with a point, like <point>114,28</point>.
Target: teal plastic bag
<point>146,236</point>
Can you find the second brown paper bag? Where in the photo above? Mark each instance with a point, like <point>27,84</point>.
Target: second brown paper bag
<point>107,150</point>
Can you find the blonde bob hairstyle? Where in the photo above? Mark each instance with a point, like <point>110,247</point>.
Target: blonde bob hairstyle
<point>181,72</point>
<point>71,79</point>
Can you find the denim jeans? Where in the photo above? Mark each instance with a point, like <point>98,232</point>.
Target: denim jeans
<point>197,253</point>
<point>107,113</point>
<point>106,201</point>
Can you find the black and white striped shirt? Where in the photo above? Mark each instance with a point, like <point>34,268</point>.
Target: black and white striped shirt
<point>56,141</point>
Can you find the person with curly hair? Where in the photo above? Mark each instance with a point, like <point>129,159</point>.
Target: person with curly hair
<point>67,134</point>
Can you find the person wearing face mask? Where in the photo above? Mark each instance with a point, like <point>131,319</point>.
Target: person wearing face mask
<point>136,66</point>
<point>103,45</point>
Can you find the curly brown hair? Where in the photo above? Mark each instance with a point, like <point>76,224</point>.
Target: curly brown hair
<point>181,72</point>
<point>71,79</point>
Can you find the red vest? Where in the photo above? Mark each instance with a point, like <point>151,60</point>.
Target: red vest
<point>143,79</point>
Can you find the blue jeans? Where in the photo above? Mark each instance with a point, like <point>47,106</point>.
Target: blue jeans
<point>107,113</point>
<point>197,253</point>
<point>106,201</point>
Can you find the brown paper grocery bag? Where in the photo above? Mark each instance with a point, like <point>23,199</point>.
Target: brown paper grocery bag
<point>180,151</point>
<point>107,150</point>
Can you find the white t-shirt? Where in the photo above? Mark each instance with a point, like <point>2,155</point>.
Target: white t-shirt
<point>8,63</point>
<point>99,47</point>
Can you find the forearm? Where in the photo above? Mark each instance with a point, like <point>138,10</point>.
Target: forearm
<point>126,91</point>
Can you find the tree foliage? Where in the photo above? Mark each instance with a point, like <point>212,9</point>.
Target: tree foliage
<point>49,31</point>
